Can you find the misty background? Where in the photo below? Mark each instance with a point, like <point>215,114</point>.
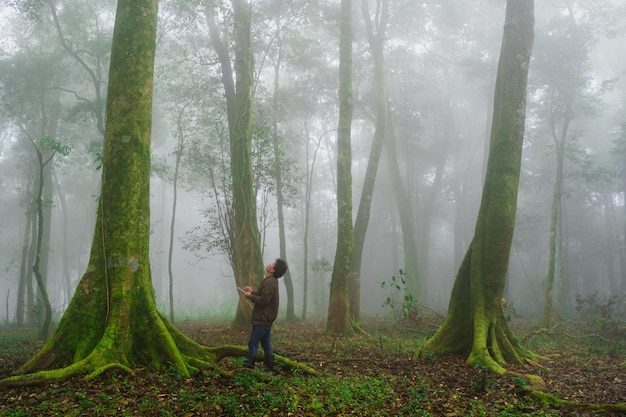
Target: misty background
<point>441,59</point>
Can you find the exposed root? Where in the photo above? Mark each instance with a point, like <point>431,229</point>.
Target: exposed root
<point>188,355</point>
<point>356,327</point>
<point>109,366</point>
<point>45,377</point>
<point>551,400</point>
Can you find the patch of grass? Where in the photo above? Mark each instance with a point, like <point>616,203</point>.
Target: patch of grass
<point>17,340</point>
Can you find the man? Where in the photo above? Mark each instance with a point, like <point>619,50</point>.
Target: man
<point>264,313</point>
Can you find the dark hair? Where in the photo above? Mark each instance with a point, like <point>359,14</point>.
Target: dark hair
<point>280,268</point>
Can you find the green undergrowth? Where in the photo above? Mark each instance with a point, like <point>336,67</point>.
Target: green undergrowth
<point>252,394</point>
<point>17,341</point>
<point>368,375</point>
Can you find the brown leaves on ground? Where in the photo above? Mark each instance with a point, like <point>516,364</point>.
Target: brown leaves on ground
<point>579,369</point>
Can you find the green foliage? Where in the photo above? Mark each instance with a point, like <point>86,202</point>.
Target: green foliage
<point>321,265</point>
<point>398,299</point>
<point>46,143</point>
<point>258,393</point>
<point>15,340</point>
<point>606,328</point>
<point>483,382</point>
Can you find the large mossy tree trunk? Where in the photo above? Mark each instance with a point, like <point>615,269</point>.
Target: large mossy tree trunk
<point>338,321</point>
<point>112,321</point>
<point>476,324</point>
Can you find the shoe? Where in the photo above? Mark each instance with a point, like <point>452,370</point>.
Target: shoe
<point>249,362</point>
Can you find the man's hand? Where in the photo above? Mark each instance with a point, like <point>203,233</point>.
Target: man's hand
<point>247,291</point>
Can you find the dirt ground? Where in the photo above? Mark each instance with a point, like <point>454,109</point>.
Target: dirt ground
<point>580,368</point>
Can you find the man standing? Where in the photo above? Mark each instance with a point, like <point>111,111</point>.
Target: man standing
<point>264,313</point>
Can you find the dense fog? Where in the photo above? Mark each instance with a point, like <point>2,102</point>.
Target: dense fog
<point>441,59</point>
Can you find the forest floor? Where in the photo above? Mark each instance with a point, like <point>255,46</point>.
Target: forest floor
<point>365,375</point>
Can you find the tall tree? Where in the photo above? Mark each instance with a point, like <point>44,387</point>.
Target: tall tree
<point>476,323</point>
<point>376,32</point>
<point>45,149</point>
<point>276,10</point>
<point>112,321</point>
<point>405,214</point>
<point>338,305</point>
<point>247,260</point>
<point>568,94</point>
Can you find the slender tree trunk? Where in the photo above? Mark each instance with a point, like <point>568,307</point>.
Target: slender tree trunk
<point>380,98</point>
<point>338,305</point>
<point>623,244</point>
<point>67,282</point>
<point>170,254</point>
<point>96,105</point>
<point>405,213</point>
<point>24,271</point>
<point>279,174</point>
<point>50,109</point>
<point>615,256</point>
<point>31,313</point>
<point>39,276</point>
<point>555,224</point>
<point>310,169</point>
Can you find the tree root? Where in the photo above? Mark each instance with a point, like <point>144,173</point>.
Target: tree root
<point>184,354</point>
<point>551,400</point>
<point>108,367</point>
<point>90,367</point>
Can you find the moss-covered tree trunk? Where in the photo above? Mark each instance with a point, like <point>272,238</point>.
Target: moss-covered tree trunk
<point>475,324</point>
<point>247,258</point>
<point>112,320</point>
<point>338,306</point>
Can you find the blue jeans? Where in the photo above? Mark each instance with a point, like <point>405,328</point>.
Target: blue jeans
<point>260,334</point>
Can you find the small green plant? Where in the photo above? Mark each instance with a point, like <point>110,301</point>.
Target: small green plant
<point>483,381</point>
<point>399,300</point>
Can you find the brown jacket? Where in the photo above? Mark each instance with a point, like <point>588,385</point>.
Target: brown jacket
<point>265,302</point>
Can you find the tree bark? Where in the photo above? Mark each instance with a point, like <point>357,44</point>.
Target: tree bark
<point>476,324</point>
<point>376,39</point>
<point>246,257</point>
<point>405,213</point>
<point>338,305</point>
<point>278,173</point>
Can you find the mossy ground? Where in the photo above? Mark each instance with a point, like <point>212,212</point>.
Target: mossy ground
<point>367,375</point>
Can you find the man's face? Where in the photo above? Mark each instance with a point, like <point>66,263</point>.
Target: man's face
<point>270,268</point>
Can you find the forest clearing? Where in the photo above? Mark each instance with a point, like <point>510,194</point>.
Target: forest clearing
<point>366,375</point>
